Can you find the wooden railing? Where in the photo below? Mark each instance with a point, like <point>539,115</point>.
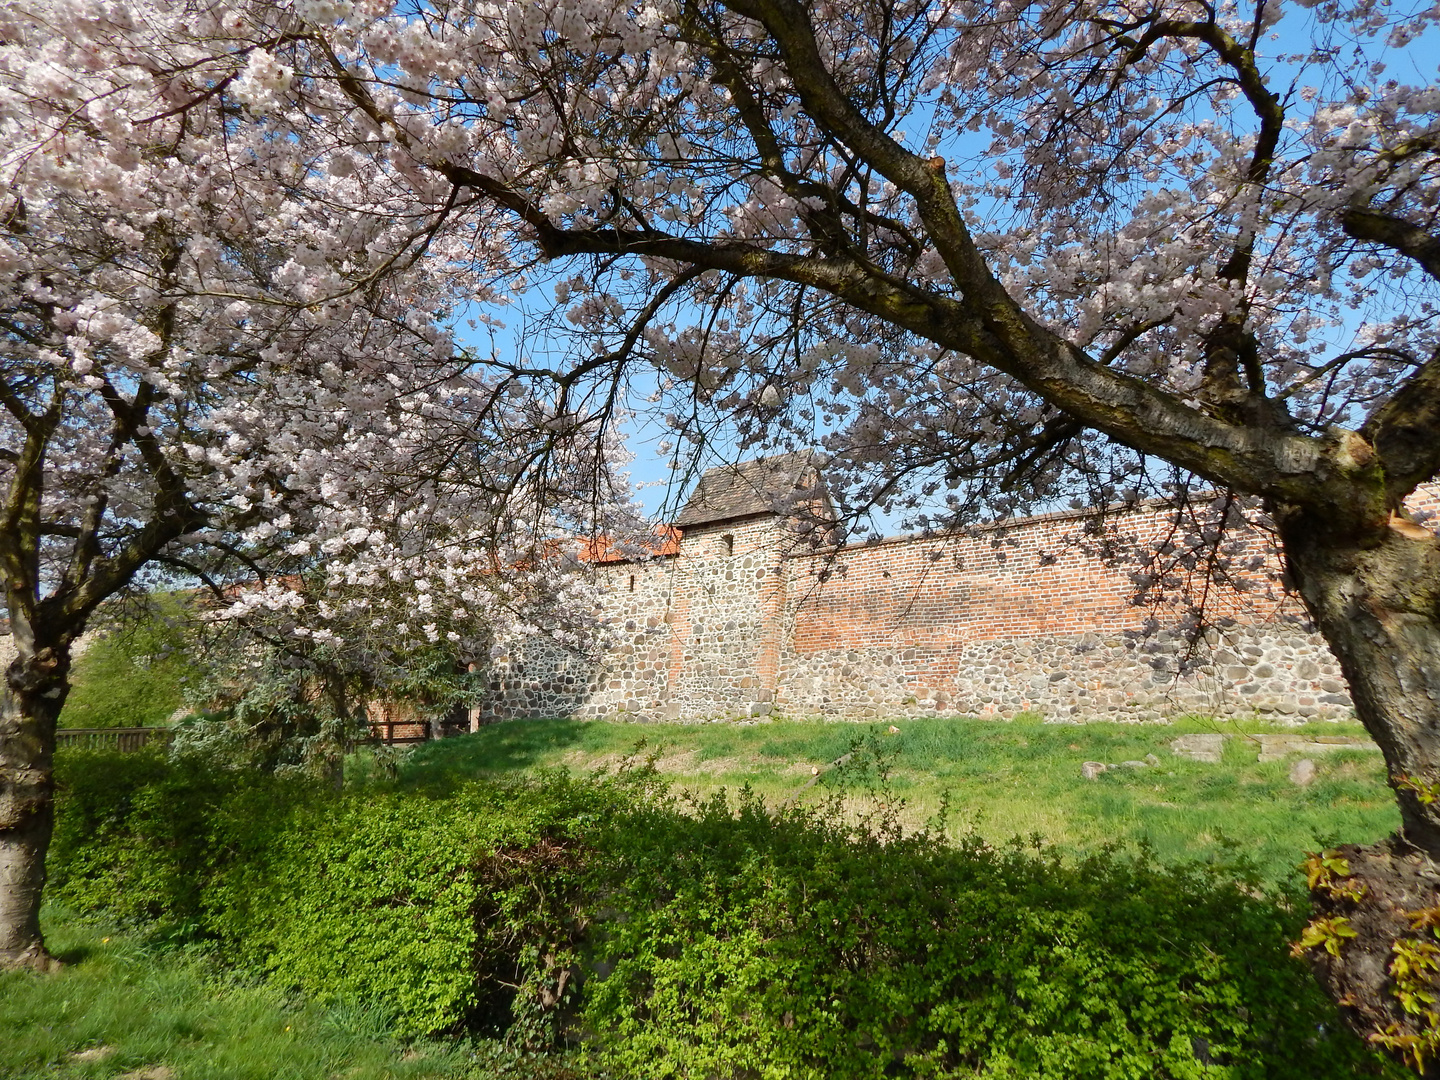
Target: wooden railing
<point>123,739</point>
<point>390,732</point>
<point>401,732</point>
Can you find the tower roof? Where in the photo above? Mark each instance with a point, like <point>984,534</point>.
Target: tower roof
<point>778,484</point>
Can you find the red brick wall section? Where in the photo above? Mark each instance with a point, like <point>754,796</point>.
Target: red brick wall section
<point>1424,504</point>
<point>1037,578</point>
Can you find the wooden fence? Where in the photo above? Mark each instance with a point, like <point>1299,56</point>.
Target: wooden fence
<point>401,732</point>
<point>125,739</point>
<point>116,738</point>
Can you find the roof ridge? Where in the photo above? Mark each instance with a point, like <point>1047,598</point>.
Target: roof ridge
<point>769,484</point>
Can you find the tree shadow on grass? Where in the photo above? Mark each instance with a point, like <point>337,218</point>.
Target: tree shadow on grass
<point>74,954</point>
<point>507,747</point>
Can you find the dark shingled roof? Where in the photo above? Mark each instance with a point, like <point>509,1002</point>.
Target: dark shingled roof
<point>767,485</point>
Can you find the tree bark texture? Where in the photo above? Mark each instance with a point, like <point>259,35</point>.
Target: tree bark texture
<point>36,683</point>
<point>1374,943</point>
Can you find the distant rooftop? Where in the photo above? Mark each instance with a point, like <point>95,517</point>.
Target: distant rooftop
<point>766,485</point>
<point>604,549</point>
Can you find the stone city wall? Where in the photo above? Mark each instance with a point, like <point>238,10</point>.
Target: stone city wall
<point>690,636</point>
<point>740,622</point>
<point>1028,619</point>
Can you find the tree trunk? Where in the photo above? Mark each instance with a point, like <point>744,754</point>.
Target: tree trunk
<point>36,683</point>
<point>1374,593</point>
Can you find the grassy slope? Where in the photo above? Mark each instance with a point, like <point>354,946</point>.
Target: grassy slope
<point>122,1009</point>
<point>1005,779</point>
<point>134,677</point>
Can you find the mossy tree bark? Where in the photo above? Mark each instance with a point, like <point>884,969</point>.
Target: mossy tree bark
<point>36,683</point>
<point>1373,589</point>
<point>1375,595</point>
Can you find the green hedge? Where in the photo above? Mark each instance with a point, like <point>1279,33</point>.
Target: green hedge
<point>721,941</point>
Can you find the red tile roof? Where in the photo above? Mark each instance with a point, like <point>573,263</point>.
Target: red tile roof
<point>605,549</point>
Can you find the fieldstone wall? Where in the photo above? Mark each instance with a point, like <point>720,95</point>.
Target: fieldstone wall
<point>625,674</point>
<point>1027,619</point>
<point>690,637</point>
<point>1278,674</point>
<point>725,620</point>
<point>741,621</point>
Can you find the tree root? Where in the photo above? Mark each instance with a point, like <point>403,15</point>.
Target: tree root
<point>35,959</point>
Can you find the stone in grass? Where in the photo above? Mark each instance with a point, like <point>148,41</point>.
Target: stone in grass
<point>1134,765</point>
<point>1275,747</point>
<point>1091,769</point>
<point>1302,773</point>
<point>93,1053</point>
<point>1206,748</point>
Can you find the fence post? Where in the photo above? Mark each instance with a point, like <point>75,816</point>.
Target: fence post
<point>474,709</point>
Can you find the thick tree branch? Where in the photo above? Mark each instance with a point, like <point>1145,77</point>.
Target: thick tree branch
<point>1015,343</point>
<point>173,514</point>
<point>1396,234</point>
<point>1148,419</point>
<point>20,523</point>
<point>789,24</point>
<point>130,418</point>
<point>1405,432</point>
<point>15,405</point>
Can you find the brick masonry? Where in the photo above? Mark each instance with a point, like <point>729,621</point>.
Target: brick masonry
<point>743,621</point>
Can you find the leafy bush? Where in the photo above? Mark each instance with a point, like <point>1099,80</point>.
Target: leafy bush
<point>798,948</point>
<point>713,940</point>
<point>421,902</point>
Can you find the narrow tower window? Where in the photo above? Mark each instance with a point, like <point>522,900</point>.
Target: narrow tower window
<point>632,582</point>
<point>727,544</point>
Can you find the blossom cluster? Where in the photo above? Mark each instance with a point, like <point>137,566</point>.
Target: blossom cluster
<point>227,357</point>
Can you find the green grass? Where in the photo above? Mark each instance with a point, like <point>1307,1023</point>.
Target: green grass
<point>1020,778</point>
<point>129,1009</point>
<point>134,676</point>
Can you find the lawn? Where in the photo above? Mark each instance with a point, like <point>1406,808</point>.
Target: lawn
<point>124,1009</point>
<point>1002,779</point>
<point>129,1008</point>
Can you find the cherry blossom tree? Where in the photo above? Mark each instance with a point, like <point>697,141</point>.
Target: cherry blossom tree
<point>224,361</point>
<point>995,253</point>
